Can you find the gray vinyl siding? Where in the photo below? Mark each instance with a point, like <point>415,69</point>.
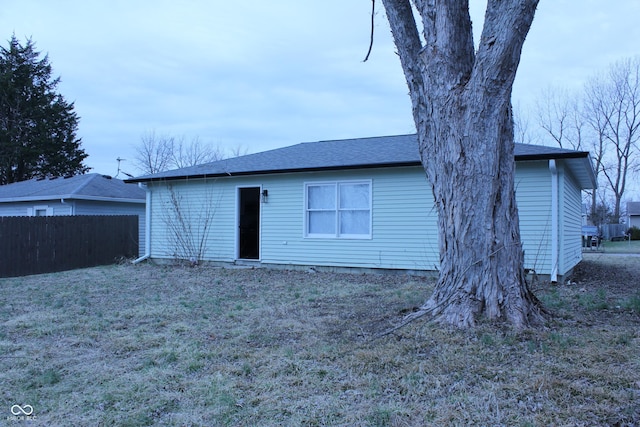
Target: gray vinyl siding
<point>571,222</point>
<point>533,196</point>
<point>403,238</point>
<point>403,228</point>
<point>198,200</point>
<point>15,209</point>
<point>22,208</point>
<point>403,233</point>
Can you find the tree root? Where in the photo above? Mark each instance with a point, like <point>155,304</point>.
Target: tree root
<point>407,319</point>
<point>537,316</point>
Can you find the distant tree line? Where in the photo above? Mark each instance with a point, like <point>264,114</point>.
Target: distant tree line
<point>38,125</point>
<point>604,119</point>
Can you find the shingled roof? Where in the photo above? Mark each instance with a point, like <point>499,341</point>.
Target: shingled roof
<point>633,208</point>
<point>358,153</point>
<point>91,186</point>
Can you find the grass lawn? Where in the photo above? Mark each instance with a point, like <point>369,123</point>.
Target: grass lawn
<point>171,346</point>
<point>628,247</point>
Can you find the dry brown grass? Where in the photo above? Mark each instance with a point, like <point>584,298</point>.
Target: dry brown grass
<point>171,346</point>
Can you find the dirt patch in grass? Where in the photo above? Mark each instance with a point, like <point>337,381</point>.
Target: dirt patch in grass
<point>172,346</point>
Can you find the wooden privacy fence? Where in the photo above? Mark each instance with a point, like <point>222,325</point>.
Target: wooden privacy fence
<point>34,245</point>
<point>609,231</point>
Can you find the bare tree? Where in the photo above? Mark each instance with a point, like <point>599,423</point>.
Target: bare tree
<point>461,102</point>
<point>158,153</point>
<point>239,150</point>
<point>521,127</point>
<point>605,122</point>
<point>567,120</point>
<point>194,153</point>
<point>188,225</point>
<point>593,106</point>
<point>561,116</point>
<point>154,153</point>
<point>614,111</point>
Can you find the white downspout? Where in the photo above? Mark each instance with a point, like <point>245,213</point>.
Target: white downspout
<point>147,226</point>
<point>554,221</point>
<point>71,205</point>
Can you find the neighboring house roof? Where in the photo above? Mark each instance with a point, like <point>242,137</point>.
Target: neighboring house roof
<point>384,151</point>
<point>633,208</point>
<point>91,186</point>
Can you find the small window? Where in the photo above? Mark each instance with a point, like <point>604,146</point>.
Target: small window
<point>338,209</point>
<point>41,210</point>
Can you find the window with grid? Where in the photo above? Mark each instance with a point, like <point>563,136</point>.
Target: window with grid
<point>338,209</point>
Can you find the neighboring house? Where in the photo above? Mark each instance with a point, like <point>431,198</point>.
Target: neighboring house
<point>90,194</point>
<point>633,214</point>
<point>354,203</point>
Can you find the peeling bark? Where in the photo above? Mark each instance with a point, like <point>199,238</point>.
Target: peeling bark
<point>461,103</point>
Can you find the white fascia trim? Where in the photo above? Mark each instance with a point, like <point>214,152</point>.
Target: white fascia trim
<point>70,197</point>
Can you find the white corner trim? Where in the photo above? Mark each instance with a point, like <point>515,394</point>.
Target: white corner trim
<point>555,211</point>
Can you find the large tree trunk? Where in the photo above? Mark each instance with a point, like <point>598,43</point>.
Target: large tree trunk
<point>462,110</point>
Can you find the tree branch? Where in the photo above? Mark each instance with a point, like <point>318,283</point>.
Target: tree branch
<point>449,40</point>
<point>407,39</point>
<point>373,12</point>
<point>501,42</point>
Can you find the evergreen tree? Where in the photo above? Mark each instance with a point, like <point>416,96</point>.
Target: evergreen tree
<point>37,125</point>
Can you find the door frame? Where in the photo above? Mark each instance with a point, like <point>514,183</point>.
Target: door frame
<point>237,222</point>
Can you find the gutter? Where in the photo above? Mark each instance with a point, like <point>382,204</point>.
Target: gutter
<point>554,221</point>
<point>68,197</point>
<point>147,226</point>
<point>71,205</point>
<point>164,178</point>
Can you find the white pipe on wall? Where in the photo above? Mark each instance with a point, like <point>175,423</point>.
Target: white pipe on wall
<point>147,226</point>
<point>555,209</point>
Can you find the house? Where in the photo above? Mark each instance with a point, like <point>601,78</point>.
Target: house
<point>362,203</point>
<point>90,194</point>
<point>633,214</point>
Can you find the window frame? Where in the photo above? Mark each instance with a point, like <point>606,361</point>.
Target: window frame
<point>337,209</point>
<point>48,211</point>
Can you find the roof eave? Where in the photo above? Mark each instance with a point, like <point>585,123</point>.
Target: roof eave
<point>587,180</point>
<point>549,156</point>
<point>524,157</point>
<point>70,197</point>
<point>272,172</point>
<point>109,199</point>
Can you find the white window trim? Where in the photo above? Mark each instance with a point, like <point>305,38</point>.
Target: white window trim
<point>34,211</point>
<point>336,235</point>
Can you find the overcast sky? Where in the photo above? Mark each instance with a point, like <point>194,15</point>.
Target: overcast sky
<point>263,75</point>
